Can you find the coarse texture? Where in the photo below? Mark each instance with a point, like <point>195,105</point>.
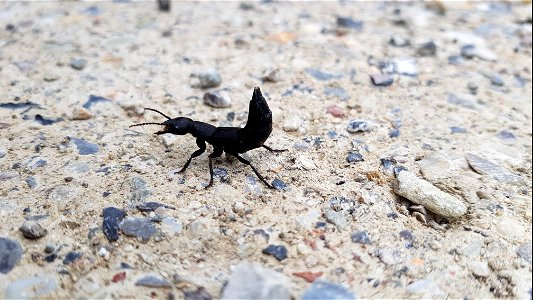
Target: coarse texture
<point>74,77</point>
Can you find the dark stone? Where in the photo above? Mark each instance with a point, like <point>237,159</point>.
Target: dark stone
<point>138,227</point>
<point>354,157</point>
<point>71,257</point>
<point>427,49</point>
<point>50,258</point>
<point>349,23</point>
<point>19,105</point>
<point>78,63</point>
<point>151,206</point>
<point>199,294</point>
<point>279,184</point>
<point>468,51</point>
<point>278,251</point>
<point>163,5</point>
<point>153,281</point>
<point>84,147</point>
<point>361,237</point>
<point>457,129</point>
<point>46,121</point>
<point>506,135</point>
<point>10,254</point>
<point>112,218</point>
<point>407,235</point>
<point>94,100</point>
<point>393,133</point>
<point>31,182</point>
<point>221,174</point>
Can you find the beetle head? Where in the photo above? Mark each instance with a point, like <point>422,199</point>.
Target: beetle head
<point>179,126</point>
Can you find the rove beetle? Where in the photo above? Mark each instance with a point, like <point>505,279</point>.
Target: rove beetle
<point>232,140</point>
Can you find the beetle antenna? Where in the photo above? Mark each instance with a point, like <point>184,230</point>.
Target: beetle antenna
<point>146,108</point>
<point>149,123</point>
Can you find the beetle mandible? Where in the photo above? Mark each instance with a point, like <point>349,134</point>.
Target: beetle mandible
<point>232,140</point>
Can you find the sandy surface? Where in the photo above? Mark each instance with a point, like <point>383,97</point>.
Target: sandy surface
<point>139,57</point>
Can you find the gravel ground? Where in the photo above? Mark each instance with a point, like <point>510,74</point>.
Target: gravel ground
<point>372,100</point>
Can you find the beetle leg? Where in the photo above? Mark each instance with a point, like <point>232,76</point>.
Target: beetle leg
<point>216,153</point>
<point>273,150</point>
<point>244,161</point>
<point>201,145</point>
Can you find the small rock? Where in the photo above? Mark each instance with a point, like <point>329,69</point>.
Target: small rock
<point>153,280</point>
<point>279,185</point>
<point>206,79</point>
<point>51,76</point>
<point>305,163</point>
<point>422,192</point>
<point>425,287</point>
<point>405,67</point>
<point>481,52</point>
<point>349,23</point>
<point>31,182</point>
<point>336,218</point>
<point>3,152</point>
<point>427,49</point>
<point>407,235</point>
<point>354,157</point>
<point>480,269</point>
<point>163,5</point>
<point>217,99</point>
<point>361,237</point>
<point>141,228</point>
<point>321,289</point>
<point>199,294</point>
<point>335,111</point>
<point>71,257</point>
<point>358,126</point>
<point>398,41</point>
<point>252,281</point>
<point>467,101</point>
<point>486,167</point>
<point>337,92</point>
<point>393,133</point>
<point>170,226</point>
<point>31,288</point>
<point>390,256</point>
<point>524,251</point>
<point>278,251</point>
<point>292,124</point>
<point>94,100</point>
<point>151,206</point>
<point>382,79</point>
<point>496,80</point>
<point>272,75</point>
<point>457,129</point>
<point>78,63</point>
<point>84,147</point>
<point>10,254</point>
<point>139,190</point>
<point>112,218</point>
<point>32,230</point>
<point>506,135</point>
<point>81,113</point>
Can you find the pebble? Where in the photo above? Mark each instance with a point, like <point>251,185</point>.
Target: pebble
<point>321,289</point>
<point>78,63</point>
<point>405,67</point>
<point>304,163</point>
<point>486,167</point>
<point>94,100</point>
<point>3,152</point>
<point>382,79</point>
<point>466,101</point>
<point>32,230</point>
<point>51,76</point>
<point>358,126</point>
<point>8,175</point>
<point>496,80</point>
<point>398,41</point>
<point>31,288</point>
<point>292,124</point>
<point>139,190</point>
<point>349,23</point>
<point>112,217</point>
<point>479,269</point>
<point>81,113</point>
<point>337,92</point>
<point>506,135</point>
<point>31,182</point>
<point>425,287</point>
<point>62,192</point>
<point>151,206</point>
<point>10,254</point>
<point>153,280</point>
<point>335,111</point>
<point>336,218</point>
<point>272,75</point>
<point>481,52</point>
<point>278,251</point>
<point>19,105</point>
<point>407,235</point>
<point>141,228</point>
<point>84,147</point>
<point>422,192</point>
<point>354,157</point>
<point>250,280</point>
<point>171,226</point>
<point>217,99</point>
<point>457,129</point>
<point>524,251</point>
<point>361,237</point>
<point>393,133</point>
<point>279,184</point>
<point>206,79</point>
<point>427,49</point>
<point>199,294</point>
<point>320,75</point>
<point>71,257</point>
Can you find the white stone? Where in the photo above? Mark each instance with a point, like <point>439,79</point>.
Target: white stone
<point>252,281</point>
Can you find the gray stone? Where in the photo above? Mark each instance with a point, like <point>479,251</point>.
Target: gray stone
<point>217,99</point>
<point>464,100</point>
<point>252,281</point>
<point>486,167</point>
<point>206,79</point>
<point>8,175</point>
<point>382,79</point>
<point>354,157</point>
<point>425,287</point>
<point>390,256</point>
<point>139,191</point>
<point>321,289</point>
<point>10,254</point>
<point>170,226</point>
<point>31,288</point>
<point>358,126</point>
<point>62,193</point>
<point>31,182</point>
<point>112,217</point>
<point>32,230</point>
<point>84,147</point>
<point>398,41</point>
<point>422,192</point>
<point>153,280</point>
<point>141,228</point>
<point>361,237</point>
<point>524,251</point>
<point>427,49</point>
<point>336,218</point>
<point>3,152</point>
<point>78,63</point>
